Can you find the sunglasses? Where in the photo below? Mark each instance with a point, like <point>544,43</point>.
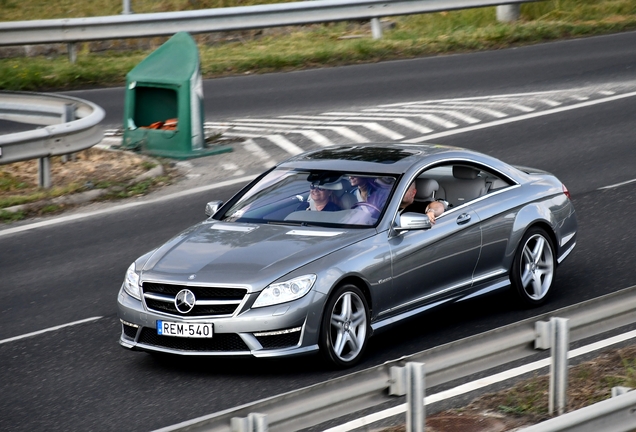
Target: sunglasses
<point>314,187</point>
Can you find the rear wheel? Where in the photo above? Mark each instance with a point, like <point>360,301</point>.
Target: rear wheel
<point>344,330</point>
<point>534,267</point>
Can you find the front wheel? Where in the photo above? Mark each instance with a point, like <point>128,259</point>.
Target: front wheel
<point>344,330</point>
<point>534,267</point>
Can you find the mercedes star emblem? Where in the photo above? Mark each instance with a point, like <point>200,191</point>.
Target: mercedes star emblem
<point>184,301</point>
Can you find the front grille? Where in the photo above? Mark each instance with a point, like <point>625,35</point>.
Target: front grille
<point>219,293</point>
<point>221,342</point>
<point>233,295</point>
<point>170,308</point>
<point>280,340</point>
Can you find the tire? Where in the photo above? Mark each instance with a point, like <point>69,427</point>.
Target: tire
<point>534,267</point>
<point>345,326</point>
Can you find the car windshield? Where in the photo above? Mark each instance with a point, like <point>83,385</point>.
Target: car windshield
<point>323,198</point>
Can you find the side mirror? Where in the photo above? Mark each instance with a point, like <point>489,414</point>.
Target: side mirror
<point>212,207</point>
<point>412,221</point>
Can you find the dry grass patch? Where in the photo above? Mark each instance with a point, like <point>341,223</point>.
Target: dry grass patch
<point>114,171</point>
<point>89,168</point>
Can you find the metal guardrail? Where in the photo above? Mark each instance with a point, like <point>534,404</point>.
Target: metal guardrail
<point>222,19</point>
<point>342,396</point>
<point>617,414</point>
<point>71,125</point>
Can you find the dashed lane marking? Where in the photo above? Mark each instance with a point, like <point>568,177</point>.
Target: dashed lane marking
<point>50,329</point>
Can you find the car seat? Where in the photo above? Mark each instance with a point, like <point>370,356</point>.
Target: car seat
<point>465,186</point>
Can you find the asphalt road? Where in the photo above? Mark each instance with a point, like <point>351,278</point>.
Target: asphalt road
<point>78,378</point>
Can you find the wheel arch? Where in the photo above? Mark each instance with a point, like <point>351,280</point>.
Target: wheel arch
<point>362,286</point>
<point>531,216</point>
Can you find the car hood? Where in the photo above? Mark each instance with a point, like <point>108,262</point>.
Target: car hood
<point>246,254</point>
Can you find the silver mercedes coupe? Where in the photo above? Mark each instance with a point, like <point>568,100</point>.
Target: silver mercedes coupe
<point>326,248</point>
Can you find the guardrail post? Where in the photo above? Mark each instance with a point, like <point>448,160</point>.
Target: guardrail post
<point>71,47</point>
<point>415,410</point>
<point>254,422</point>
<point>559,365</point>
<point>44,172</point>
<point>376,28</point>
<point>126,10</point>
<point>508,13</point>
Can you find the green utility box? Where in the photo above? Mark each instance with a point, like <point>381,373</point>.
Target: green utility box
<point>163,110</point>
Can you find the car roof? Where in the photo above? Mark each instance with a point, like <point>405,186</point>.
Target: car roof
<point>373,158</point>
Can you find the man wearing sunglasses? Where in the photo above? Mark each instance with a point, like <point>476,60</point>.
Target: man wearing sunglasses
<point>321,199</point>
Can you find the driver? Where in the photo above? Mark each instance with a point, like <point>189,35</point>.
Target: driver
<point>320,199</point>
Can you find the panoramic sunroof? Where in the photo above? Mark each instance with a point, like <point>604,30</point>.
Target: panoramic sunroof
<point>383,155</point>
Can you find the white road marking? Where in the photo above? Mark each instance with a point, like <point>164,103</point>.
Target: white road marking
<point>312,117</point>
<point>540,93</point>
<point>346,132</point>
<point>375,127</point>
<point>285,144</point>
<point>232,167</point>
<point>242,135</point>
<point>617,184</point>
<point>35,333</point>
<point>550,102</point>
<point>412,112</point>
<point>508,103</point>
<point>475,107</point>
<point>258,151</point>
<point>319,139</point>
<point>520,118</point>
<point>263,126</point>
<point>481,383</point>
<point>412,125</point>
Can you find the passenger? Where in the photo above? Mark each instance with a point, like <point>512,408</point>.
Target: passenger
<point>433,210</point>
<point>408,198</point>
<point>372,192</point>
<point>363,187</point>
<point>321,199</point>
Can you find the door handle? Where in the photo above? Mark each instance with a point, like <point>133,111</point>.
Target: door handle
<point>463,219</point>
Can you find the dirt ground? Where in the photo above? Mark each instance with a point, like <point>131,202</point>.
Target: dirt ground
<point>87,169</point>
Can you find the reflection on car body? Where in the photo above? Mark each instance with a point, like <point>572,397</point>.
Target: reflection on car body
<point>268,275</point>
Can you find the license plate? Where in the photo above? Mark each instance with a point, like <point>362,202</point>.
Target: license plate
<point>187,330</point>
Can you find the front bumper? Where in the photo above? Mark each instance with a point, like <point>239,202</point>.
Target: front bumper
<point>275,331</point>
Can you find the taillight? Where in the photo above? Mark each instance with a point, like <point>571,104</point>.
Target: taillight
<point>566,191</point>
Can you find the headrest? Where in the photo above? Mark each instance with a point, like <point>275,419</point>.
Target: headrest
<point>464,172</point>
<point>426,188</point>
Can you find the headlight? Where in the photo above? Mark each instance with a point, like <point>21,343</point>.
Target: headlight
<point>285,291</point>
<point>131,283</point>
